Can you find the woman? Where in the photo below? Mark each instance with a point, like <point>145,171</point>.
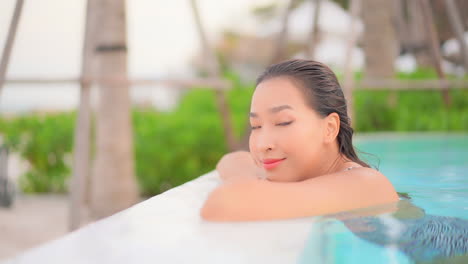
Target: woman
<point>301,161</point>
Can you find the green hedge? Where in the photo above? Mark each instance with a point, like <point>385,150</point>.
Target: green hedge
<point>44,141</point>
<point>172,148</point>
<point>410,111</point>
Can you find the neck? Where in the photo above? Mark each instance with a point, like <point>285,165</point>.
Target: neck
<point>332,161</point>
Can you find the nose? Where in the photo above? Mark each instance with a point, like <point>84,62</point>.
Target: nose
<point>264,142</point>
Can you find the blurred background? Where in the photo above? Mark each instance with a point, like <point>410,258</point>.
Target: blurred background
<point>105,103</point>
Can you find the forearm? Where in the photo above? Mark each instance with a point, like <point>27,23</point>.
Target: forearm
<point>240,174</point>
<point>237,166</point>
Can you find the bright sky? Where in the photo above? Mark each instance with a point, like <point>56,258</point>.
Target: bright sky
<point>162,38</point>
<point>161,34</point>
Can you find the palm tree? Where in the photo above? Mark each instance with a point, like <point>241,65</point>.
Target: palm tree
<point>348,82</point>
<point>113,184</point>
<point>213,68</point>
<point>79,184</point>
<point>314,35</point>
<point>417,37</point>
<point>282,38</point>
<point>9,41</point>
<point>433,40</point>
<point>380,44</point>
<point>457,26</point>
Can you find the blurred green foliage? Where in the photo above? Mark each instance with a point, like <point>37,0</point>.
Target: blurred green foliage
<point>419,74</point>
<point>170,147</point>
<point>410,111</point>
<point>174,147</point>
<point>44,141</point>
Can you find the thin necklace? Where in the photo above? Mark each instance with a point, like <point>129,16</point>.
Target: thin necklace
<point>350,168</point>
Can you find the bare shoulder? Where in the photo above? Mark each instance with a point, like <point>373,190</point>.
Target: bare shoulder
<point>357,187</point>
<point>365,173</point>
<point>371,181</point>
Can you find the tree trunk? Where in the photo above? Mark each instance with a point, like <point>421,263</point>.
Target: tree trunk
<point>9,42</point>
<point>348,83</point>
<point>215,72</point>
<point>457,26</point>
<point>418,44</point>
<point>401,23</point>
<point>314,36</point>
<point>433,40</point>
<point>114,185</point>
<point>282,38</point>
<point>81,159</point>
<point>380,45</point>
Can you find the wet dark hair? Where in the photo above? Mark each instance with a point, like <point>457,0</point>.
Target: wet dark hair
<point>323,94</point>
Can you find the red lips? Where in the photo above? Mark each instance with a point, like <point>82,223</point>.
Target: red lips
<point>271,163</point>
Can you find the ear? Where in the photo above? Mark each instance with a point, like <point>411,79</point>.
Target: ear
<point>332,127</point>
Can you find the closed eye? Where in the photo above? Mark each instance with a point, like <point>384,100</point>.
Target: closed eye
<point>284,123</point>
<point>279,124</point>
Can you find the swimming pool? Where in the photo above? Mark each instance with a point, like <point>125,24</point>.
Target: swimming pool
<point>432,169</point>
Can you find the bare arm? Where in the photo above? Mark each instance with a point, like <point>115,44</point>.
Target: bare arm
<point>252,199</point>
<point>238,165</point>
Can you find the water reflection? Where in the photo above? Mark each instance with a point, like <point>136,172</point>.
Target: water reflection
<point>394,233</point>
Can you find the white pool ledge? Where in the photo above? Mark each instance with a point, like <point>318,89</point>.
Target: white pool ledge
<point>168,229</point>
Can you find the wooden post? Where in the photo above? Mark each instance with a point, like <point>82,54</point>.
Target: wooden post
<point>457,26</point>
<point>435,51</point>
<point>348,78</point>
<point>214,71</point>
<point>114,186</point>
<point>10,41</point>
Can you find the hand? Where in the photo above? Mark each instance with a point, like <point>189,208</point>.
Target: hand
<point>238,165</point>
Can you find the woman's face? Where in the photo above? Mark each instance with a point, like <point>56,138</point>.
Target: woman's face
<point>287,135</point>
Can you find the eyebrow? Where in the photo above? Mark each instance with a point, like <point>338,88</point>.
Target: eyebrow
<point>273,110</point>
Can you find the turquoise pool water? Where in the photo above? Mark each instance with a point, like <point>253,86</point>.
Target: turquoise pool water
<point>432,169</point>
<point>431,226</point>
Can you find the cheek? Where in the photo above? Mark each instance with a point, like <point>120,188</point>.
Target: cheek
<point>252,143</point>
<point>303,146</point>
<point>300,139</point>
<point>253,148</point>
